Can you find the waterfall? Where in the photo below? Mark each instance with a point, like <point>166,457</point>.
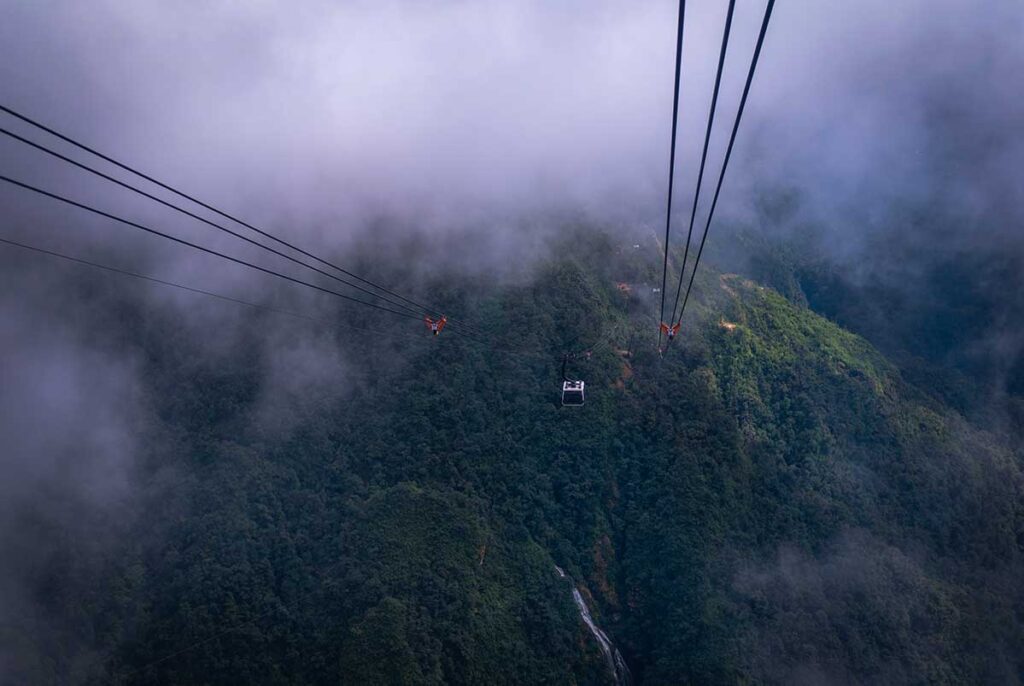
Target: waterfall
<point>616,663</point>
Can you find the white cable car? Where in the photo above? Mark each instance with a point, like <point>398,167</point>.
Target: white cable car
<point>572,393</point>
<point>572,390</point>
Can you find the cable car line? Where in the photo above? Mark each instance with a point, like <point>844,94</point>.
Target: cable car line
<point>200,291</point>
<point>732,141</point>
<point>199,218</point>
<point>266,234</point>
<point>704,153</point>
<point>108,215</point>
<point>672,156</point>
<point>201,248</point>
<point>239,301</point>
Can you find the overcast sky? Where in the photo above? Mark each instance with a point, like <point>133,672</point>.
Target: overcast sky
<point>449,110</point>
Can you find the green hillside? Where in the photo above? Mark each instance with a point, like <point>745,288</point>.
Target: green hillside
<point>770,502</point>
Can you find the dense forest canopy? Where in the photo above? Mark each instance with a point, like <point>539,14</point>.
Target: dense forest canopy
<point>773,500</point>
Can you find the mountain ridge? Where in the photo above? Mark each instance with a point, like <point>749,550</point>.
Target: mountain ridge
<point>770,501</point>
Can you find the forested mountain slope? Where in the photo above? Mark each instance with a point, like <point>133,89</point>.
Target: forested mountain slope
<point>770,502</point>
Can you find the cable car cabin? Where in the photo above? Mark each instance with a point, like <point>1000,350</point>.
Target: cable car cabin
<point>572,393</point>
